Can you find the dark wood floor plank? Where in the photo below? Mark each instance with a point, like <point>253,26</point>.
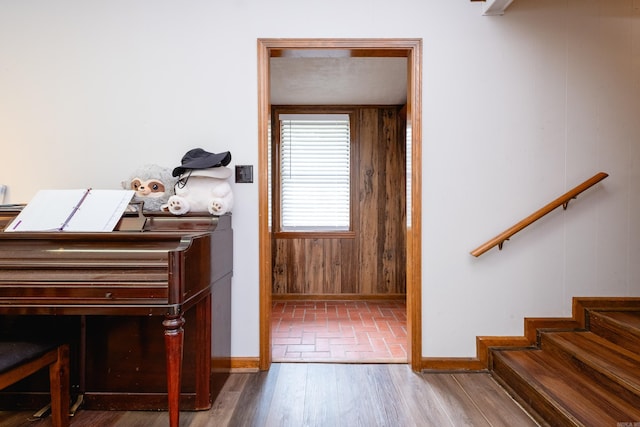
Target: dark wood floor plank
<point>321,396</point>
<point>20,419</point>
<point>153,419</point>
<point>460,409</point>
<point>392,410</point>
<point>12,419</point>
<point>361,397</point>
<point>255,400</point>
<point>356,405</point>
<point>420,398</point>
<point>287,406</point>
<point>493,401</point>
<point>222,409</point>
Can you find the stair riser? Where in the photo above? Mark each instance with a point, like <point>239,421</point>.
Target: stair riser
<point>608,383</point>
<point>526,394</point>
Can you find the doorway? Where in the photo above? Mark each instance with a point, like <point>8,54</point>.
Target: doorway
<point>411,49</point>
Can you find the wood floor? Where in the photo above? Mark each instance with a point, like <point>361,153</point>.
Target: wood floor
<point>334,395</point>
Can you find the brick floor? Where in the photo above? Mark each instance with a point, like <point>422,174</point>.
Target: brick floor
<point>339,331</point>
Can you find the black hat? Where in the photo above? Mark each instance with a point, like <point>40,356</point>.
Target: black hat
<point>200,159</point>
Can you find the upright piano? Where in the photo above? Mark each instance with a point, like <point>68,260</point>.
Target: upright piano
<point>136,306</point>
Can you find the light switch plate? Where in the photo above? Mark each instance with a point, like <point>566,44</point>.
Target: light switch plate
<point>244,174</point>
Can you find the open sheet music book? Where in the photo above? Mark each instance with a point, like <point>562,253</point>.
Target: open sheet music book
<point>85,210</point>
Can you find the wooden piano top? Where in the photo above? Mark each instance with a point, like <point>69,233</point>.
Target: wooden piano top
<point>165,268</point>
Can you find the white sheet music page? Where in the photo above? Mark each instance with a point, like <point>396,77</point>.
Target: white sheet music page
<point>82,210</point>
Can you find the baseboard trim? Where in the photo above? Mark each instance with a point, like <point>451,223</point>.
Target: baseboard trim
<point>580,306</point>
<point>244,364</point>
<point>478,363</point>
<point>453,364</point>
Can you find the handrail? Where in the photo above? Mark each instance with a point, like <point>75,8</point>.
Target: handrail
<point>560,201</point>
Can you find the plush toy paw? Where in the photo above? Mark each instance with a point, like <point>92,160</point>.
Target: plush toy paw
<point>178,205</point>
<point>218,207</point>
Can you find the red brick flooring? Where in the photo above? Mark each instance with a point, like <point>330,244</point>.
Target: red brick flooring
<point>339,331</point>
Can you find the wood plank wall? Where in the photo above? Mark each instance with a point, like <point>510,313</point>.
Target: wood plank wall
<point>372,263</point>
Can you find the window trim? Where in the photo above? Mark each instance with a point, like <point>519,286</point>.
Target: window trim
<point>276,111</point>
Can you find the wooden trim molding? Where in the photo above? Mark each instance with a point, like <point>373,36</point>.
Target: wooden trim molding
<point>244,364</point>
<point>532,325</point>
<point>264,228</point>
<point>408,48</point>
<point>414,206</point>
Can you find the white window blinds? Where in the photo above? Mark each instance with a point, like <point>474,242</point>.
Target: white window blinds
<point>314,172</point>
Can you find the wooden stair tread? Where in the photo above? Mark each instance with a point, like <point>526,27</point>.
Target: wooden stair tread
<point>620,327</point>
<point>610,360</point>
<point>575,396</point>
<point>629,320</point>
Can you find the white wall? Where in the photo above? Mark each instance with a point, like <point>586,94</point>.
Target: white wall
<point>517,110</point>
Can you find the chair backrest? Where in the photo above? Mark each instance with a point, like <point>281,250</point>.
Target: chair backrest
<point>19,360</point>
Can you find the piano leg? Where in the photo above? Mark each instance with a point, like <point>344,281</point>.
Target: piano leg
<point>174,341</point>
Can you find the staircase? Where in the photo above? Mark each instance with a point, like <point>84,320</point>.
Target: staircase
<point>578,377</point>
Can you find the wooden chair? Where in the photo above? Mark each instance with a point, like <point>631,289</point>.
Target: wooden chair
<point>18,360</point>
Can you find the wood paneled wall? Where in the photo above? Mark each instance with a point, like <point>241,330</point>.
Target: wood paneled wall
<point>373,262</point>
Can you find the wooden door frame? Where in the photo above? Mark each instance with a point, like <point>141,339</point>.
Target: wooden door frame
<point>412,50</point>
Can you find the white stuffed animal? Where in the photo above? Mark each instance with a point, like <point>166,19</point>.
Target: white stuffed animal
<point>202,190</point>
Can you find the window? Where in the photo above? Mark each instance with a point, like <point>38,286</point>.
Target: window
<point>314,173</point>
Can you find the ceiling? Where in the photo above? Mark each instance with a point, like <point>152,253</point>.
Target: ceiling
<point>338,79</point>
